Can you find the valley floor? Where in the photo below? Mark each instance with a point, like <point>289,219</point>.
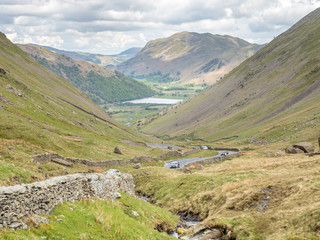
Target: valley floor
<point>263,194</point>
<point>256,196</point>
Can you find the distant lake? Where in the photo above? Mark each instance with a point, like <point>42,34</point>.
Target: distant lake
<point>156,100</point>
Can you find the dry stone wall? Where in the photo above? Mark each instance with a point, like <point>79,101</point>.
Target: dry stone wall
<point>54,157</point>
<point>19,201</point>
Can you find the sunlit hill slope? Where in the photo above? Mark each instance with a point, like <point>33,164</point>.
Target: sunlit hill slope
<point>275,94</point>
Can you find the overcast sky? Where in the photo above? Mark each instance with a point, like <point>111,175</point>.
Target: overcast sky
<point>111,26</point>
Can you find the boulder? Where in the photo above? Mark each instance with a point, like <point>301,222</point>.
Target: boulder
<point>139,165</point>
<point>15,225</point>
<point>117,151</point>
<point>2,71</point>
<point>306,147</point>
<point>62,162</point>
<point>213,234</point>
<point>293,150</point>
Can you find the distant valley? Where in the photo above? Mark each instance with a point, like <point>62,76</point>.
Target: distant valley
<point>274,95</point>
<point>100,84</point>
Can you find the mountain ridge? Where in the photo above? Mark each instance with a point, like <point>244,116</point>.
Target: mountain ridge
<point>100,59</point>
<point>189,57</point>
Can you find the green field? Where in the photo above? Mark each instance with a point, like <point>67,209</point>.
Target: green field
<point>134,115</point>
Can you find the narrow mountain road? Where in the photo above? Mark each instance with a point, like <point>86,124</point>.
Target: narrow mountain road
<point>184,161</point>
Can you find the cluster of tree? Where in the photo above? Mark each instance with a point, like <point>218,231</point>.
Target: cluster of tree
<point>101,89</point>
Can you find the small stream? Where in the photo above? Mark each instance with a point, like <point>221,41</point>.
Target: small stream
<point>184,222</point>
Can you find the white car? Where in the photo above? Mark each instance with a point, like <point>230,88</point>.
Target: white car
<point>174,164</point>
<point>113,171</point>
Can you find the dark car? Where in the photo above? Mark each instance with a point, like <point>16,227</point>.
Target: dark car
<point>225,153</point>
<point>174,164</point>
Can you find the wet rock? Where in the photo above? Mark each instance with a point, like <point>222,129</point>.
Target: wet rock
<point>181,231</point>
<point>212,234</point>
<point>198,229</point>
<point>306,147</point>
<point>117,151</point>
<point>138,166</point>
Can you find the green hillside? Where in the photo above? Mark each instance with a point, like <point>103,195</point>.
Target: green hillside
<point>274,95</point>
<point>98,83</point>
<point>41,112</point>
<point>188,57</point>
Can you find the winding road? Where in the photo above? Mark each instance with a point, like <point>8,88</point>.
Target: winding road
<point>184,161</point>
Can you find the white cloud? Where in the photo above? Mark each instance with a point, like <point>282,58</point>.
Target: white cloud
<point>114,25</point>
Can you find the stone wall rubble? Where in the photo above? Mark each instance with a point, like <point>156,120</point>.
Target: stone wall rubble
<point>19,201</point>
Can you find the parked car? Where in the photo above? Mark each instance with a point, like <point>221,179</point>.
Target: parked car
<point>174,164</point>
<point>113,171</point>
<point>224,153</point>
<point>203,147</point>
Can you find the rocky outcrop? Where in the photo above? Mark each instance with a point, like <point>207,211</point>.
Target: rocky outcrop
<point>2,71</point>
<point>19,201</point>
<point>306,147</point>
<point>293,150</point>
<point>302,147</point>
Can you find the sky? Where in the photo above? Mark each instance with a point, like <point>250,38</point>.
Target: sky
<point>111,26</point>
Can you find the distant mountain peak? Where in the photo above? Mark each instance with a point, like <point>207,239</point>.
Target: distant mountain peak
<point>182,55</point>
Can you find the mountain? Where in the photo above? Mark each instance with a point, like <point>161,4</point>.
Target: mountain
<point>100,59</point>
<point>188,57</point>
<point>41,112</point>
<point>100,84</point>
<point>273,95</point>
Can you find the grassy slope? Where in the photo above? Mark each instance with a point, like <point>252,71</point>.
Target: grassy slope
<point>99,83</point>
<point>50,116</point>
<point>189,56</point>
<point>102,220</point>
<point>232,191</point>
<point>273,95</point>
